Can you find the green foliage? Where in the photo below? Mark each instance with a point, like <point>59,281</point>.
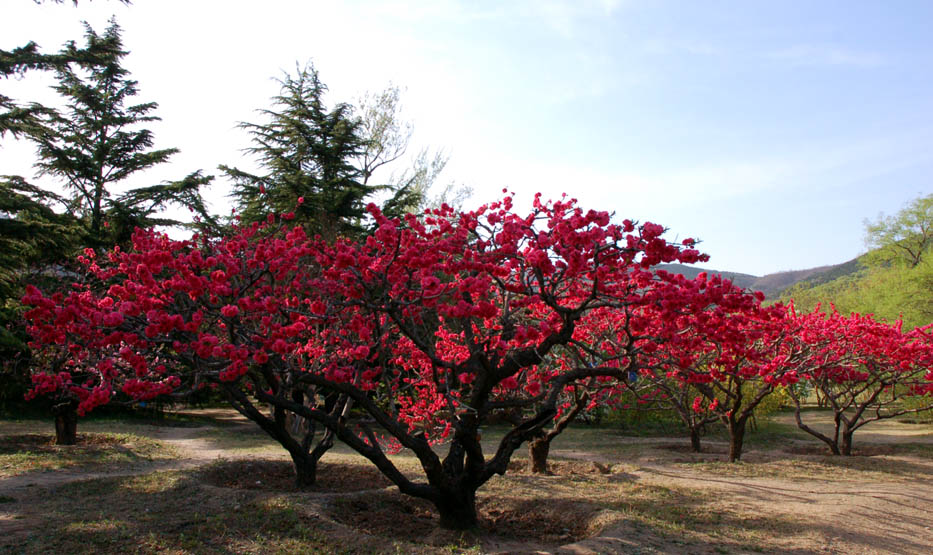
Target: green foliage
<point>895,279</point>
<point>307,152</point>
<point>97,142</point>
<point>916,402</point>
<point>890,292</point>
<point>904,238</point>
<point>320,163</point>
<point>19,119</point>
<point>31,232</point>
<point>772,403</point>
<point>32,236</point>
<point>634,416</point>
<point>94,143</point>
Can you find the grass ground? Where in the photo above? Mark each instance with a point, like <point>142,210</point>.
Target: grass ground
<point>24,453</point>
<point>609,493</point>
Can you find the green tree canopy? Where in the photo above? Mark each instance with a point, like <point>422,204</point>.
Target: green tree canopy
<point>306,151</point>
<point>904,237</point>
<point>97,142</point>
<point>895,280</point>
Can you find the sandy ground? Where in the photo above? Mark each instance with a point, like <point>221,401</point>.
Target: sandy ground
<point>868,517</point>
<point>880,513</point>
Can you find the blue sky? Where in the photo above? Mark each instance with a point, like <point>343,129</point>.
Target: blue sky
<point>769,130</point>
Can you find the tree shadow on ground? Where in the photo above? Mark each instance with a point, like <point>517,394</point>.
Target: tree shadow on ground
<point>216,509</point>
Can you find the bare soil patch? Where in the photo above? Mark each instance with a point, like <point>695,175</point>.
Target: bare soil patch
<point>605,494</point>
<point>280,476</point>
<point>527,521</point>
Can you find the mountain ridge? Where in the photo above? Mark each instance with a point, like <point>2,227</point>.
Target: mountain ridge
<point>772,285</point>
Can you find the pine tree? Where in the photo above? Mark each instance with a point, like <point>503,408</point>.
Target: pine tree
<point>306,152</point>
<point>97,143</point>
<point>19,119</point>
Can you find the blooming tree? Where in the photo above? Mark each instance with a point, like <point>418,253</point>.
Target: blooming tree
<point>863,368</point>
<point>418,334</point>
<point>717,340</point>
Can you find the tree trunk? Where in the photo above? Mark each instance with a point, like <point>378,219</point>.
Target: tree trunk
<point>305,470</point>
<point>695,440</point>
<point>832,442</point>
<point>538,449</point>
<point>66,425</point>
<point>457,510</point>
<point>846,447</point>
<point>736,437</point>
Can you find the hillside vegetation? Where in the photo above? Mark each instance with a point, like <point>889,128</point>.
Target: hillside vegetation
<point>772,285</point>
<point>893,280</point>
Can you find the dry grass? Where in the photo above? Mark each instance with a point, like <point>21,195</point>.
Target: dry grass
<point>221,509</point>
<point>24,453</point>
<point>248,503</point>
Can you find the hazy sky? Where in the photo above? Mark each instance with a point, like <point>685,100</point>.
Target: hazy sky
<point>769,130</point>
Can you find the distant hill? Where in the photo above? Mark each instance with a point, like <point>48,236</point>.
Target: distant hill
<point>742,280</point>
<point>772,284</point>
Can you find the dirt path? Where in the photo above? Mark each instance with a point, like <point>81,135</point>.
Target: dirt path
<point>193,451</point>
<point>880,513</point>
<point>877,514</point>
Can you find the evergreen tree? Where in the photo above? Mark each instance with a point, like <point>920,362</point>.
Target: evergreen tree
<point>306,152</point>
<point>19,119</point>
<point>32,235</point>
<point>95,143</point>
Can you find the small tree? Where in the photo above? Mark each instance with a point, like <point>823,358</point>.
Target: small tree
<point>386,137</point>
<point>906,236</point>
<point>864,369</point>
<point>719,341</point>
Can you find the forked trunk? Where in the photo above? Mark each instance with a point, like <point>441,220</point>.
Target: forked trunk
<point>538,449</point>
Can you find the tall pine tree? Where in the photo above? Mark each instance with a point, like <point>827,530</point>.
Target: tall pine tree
<point>306,152</point>
<point>96,142</point>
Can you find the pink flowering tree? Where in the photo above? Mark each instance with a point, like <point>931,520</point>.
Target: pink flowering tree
<point>418,334</point>
<point>172,317</point>
<point>719,353</point>
<point>864,369</point>
<point>687,324</point>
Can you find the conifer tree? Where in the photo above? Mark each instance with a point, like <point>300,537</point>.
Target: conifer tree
<point>306,152</point>
<point>96,144</point>
<point>32,235</point>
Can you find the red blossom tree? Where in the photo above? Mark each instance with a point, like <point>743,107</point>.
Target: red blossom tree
<point>420,333</point>
<point>718,352</point>
<point>864,369</point>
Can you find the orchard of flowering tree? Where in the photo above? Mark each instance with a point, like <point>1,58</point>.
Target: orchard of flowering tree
<point>406,326</point>
<point>416,336</point>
